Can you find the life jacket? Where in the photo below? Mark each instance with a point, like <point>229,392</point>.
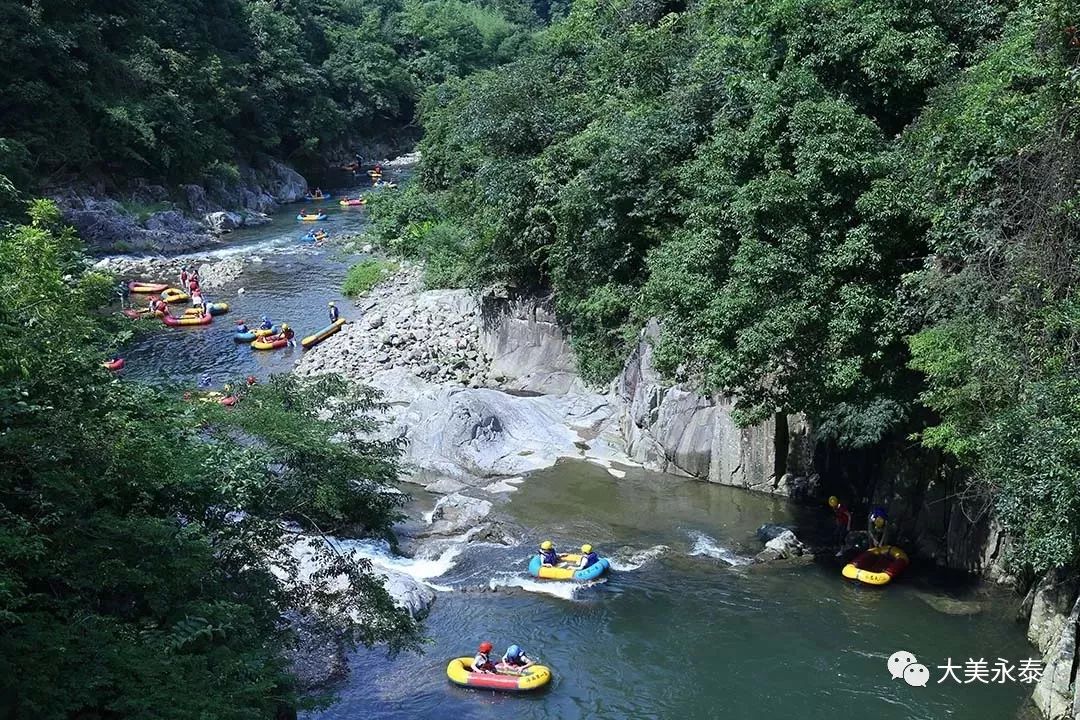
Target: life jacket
<point>482,662</point>
<point>843,515</point>
<point>267,325</point>
<point>549,557</point>
<point>516,662</point>
<point>590,559</point>
<point>334,314</point>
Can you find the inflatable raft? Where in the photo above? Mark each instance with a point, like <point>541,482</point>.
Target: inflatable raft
<point>320,216</point>
<point>141,287</point>
<point>877,566</point>
<point>531,678</point>
<point>567,570</point>
<point>313,237</point>
<point>174,295</point>
<point>316,198</point>
<point>116,364</point>
<point>312,340</point>
<point>352,202</point>
<point>218,308</point>
<point>269,344</point>
<point>173,321</point>
<point>251,335</point>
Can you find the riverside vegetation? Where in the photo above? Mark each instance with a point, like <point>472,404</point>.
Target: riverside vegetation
<point>865,212</point>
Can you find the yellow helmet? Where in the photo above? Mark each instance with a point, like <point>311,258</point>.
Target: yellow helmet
<point>285,326</point>
<point>546,545</point>
<point>586,548</point>
<point>833,501</point>
<point>879,522</point>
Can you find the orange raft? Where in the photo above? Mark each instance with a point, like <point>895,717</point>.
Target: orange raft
<point>877,566</point>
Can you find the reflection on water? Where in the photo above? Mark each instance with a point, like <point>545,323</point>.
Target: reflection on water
<point>687,634</point>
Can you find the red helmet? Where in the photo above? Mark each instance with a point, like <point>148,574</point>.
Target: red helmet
<point>485,647</point>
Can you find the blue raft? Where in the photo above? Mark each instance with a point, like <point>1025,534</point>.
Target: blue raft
<point>568,571</point>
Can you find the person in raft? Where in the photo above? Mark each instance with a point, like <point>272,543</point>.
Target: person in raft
<point>516,659</point>
<point>241,326</point>
<point>205,381</point>
<point>548,556</point>
<point>197,302</point>
<point>266,324</point>
<point>842,517</point>
<point>482,662</point>
<point>878,527</point>
<point>588,557</point>
<point>288,334</point>
<point>317,193</point>
<point>334,314</point>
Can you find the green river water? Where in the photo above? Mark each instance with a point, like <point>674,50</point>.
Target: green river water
<point>687,629</point>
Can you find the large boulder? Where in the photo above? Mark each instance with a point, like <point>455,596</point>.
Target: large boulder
<point>318,658</point>
<point>456,514</point>
<point>782,547</point>
<point>1051,600</point>
<point>222,221</point>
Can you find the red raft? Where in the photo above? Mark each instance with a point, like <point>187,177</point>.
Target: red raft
<point>877,566</point>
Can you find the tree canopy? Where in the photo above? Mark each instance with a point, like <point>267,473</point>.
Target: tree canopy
<point>859,211</point>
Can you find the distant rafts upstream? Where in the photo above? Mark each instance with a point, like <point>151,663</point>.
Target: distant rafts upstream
<point>684,626</point>
<point>284,279</point>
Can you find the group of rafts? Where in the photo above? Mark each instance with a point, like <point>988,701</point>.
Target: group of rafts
<point>512,679</point>
<point>269,339</point>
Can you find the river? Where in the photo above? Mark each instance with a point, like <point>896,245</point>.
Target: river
<point>684,628</point>
<point>286,279</point>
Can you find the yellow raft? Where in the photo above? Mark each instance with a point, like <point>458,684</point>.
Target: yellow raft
<point>877,566</point>
<point>531,678</point>
<point>316,338</point>
<point>174,295</point>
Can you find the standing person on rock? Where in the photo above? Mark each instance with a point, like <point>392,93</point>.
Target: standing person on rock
<point>334,314</point>
<point>842,517</point>
<point>185,276</point>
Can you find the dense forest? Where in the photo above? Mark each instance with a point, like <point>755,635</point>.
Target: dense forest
<point>179,89</point>
<point>861,211</point>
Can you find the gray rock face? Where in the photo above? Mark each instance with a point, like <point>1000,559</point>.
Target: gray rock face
<point>673,429</point>
<point>473,434</point>
<point>284,184</point>
<point>528,349</point>
<point>1051,601</point>
<point>106,225</point>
